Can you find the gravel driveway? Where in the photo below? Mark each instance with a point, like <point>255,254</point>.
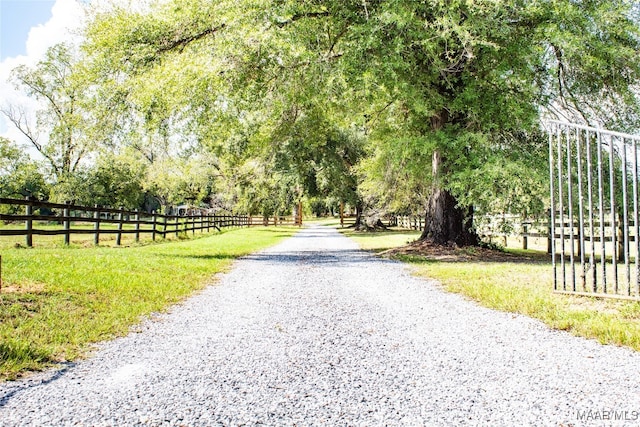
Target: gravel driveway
<point>316,332</point>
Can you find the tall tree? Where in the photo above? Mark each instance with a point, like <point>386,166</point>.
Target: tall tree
<point>19,175</point>
<point>461,76</point>
<point>449,79</point>
<point>62,117</point>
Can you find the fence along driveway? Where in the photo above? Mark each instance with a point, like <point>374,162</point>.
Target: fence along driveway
<point>98,221</point>
<point>594,210</point>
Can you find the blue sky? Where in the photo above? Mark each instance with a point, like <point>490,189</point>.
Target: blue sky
<point>27,29</point>
<point>17,17</point>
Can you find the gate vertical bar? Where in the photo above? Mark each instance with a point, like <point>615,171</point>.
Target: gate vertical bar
<point>603,253</point>
<point>552,227</point>
<point>568,135</point>
<point>592,255</point>
<point>561,207</point>
<point>614,227</point>
<point>636,215</point>
<point>625,217</point>
<point>583,270</point>
<point>609,212</point>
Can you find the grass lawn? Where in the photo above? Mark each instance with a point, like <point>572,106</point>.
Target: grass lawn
<point>56,301</point>
<point>519,282</point>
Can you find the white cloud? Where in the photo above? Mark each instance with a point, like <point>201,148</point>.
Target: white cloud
<point>65,25</point>
<point>67,19</point>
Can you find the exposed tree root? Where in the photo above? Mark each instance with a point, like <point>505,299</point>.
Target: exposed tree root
<point>364,226</point>
<point>451,252</point>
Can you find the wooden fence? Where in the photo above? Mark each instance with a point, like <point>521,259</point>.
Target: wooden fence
<point>506,230</point>
<point>98,221</point>
<point>273,220</point>
<point>512,230</point>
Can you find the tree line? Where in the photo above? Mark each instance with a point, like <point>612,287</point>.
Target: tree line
<point>388,106</point>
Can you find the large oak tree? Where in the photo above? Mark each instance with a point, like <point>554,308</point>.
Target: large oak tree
<point>450,80</point>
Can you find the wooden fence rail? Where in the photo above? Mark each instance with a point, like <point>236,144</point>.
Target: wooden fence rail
<point>272,220</point>
<point>92,220</point>
<point>500,228</point>
<point>490,228</point>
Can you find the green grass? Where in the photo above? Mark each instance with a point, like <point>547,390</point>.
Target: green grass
<point>379,241</point>
<point>55,302</point>
<point>523,287</point>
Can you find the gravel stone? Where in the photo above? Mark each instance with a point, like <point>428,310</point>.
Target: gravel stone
<point>316,332</point>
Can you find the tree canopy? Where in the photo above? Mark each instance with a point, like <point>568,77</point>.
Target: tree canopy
<point>399,105</point>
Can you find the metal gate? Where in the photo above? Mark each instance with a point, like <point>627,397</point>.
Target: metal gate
<point>594,211</point>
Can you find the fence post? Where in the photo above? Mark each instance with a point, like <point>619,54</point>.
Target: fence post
<point>177,226</point>
<point>29,222</point>
<point>67,224</point>
<point>154,218</point>
<point>137,217</point>
<point>164,226</point>
<point>119,235</point>
<point>96,226</point>
<point>525,231</point>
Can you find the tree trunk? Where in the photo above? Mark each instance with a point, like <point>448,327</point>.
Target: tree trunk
<point>359,209</point>
<point>445,221</point>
